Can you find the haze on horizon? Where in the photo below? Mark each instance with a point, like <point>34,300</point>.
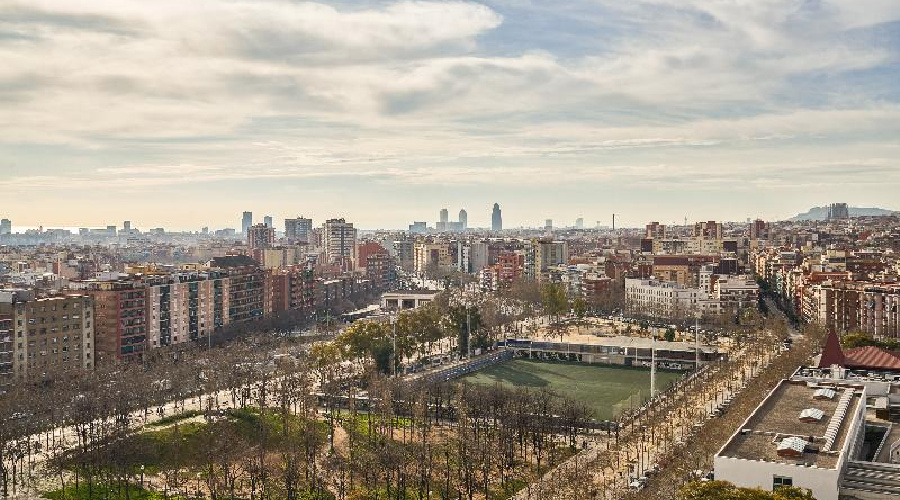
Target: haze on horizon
<point>183,114</point>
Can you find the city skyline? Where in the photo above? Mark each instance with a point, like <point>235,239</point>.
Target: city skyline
<point>279,222</point>
<point>730,110</point>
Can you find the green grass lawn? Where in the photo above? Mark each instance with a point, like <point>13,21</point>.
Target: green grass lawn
<point>604,388</point>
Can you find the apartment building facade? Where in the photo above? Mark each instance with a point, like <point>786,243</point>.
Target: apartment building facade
<point>120,328</point>
<point>340,243</point>
<point>248,296</point>
<point>186,307</point>
<point>44,337</point>
<point>298,230</point>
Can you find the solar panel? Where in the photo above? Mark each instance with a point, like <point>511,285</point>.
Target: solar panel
<point>824,394</point>
<point>812,414</point>
<point>792,443</point>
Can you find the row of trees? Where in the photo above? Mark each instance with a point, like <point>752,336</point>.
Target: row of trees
<point>51,418</point>
<point>245,427</point>
<point>723,490</point>
<point>437,440</point>
<point>414,335</point>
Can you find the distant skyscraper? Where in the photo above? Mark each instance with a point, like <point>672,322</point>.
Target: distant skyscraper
<point>463,220</point>
<point>443,224</point>
<point>5,227</point>
<point>579,223</point>
<point>298,230</point>
<point>127,226</point>
<point>838,211</point>
<point>496,218</point>
<point>267,220</point>
<point>246,222</point>
<point>548,224</point>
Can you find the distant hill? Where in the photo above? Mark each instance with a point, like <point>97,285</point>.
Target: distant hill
<point>821,213</point>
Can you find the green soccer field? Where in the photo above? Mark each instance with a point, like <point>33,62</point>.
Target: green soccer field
<point>604,388</point>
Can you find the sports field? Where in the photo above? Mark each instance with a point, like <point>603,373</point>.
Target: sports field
<point>605,388</point>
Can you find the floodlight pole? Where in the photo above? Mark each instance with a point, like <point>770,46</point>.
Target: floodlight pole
<point>653,367</point>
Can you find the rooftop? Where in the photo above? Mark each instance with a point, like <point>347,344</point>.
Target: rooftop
<point>619,341</point>
<point>777,418</point>
<point>411,292</point>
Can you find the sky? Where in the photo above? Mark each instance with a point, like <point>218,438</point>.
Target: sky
<point>183,114</point>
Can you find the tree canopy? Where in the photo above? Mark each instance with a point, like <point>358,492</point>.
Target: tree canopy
<point>723,490</point>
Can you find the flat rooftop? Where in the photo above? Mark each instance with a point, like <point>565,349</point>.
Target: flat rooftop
<point>778,417</point>
<point>400,293</point>
<point>617,341</point>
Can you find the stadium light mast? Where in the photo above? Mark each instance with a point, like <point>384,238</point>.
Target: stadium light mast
<point>653,367</point>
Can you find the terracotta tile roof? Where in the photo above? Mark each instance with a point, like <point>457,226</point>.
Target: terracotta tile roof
<point>871,357</point>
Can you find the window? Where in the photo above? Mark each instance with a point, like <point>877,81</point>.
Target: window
<point>781,481</point>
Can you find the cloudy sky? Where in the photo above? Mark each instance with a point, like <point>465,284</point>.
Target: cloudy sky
<point>184,113</point>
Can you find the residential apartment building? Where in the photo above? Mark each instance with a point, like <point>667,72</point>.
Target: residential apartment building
<point>248,296</point>
<point>58,336</point>
<point>298,230</point>
<point>186,307</point>
<point>50,336</point>
<point>509,267</point>
<point>293,288</point>
<point>852,306</point>
<point>663,299</point>
<point>364,250</point>
<point>759,230</point>
<point>656,230</point>
<point>279,256</point>
<point>381,270</point>
<point>6,349</point>
<point>708,229</point>
<point>432,255</point>
<point>339,243</point>
<point>405,252</point>
<point>120,325</point>
<point>260,236</point>
<point>474,257</point>
<point>682,269</point>
<point>541,255</point>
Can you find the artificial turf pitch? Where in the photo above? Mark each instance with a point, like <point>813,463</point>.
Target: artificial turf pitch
<point>604,388</point>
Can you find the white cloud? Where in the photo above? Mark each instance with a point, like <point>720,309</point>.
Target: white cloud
<point>669,93</point>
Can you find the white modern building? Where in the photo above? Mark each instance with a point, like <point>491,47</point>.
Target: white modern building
<point>817,434</point>
<point>406,299</point>
<point>663,299</point>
